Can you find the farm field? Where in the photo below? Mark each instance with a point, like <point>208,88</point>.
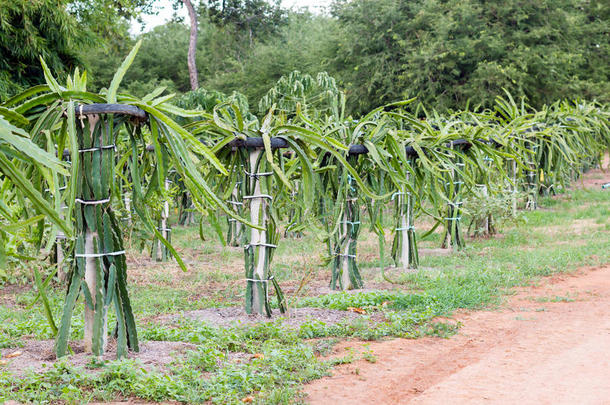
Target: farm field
<point>313,201</point>
<point>198,345</point>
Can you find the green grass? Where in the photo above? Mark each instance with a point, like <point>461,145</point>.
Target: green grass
<point>564,234</point>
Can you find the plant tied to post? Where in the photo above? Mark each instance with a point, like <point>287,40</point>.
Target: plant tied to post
<point>265,175</point>
<point>252,153</point>
<point>99,251</point>
<point>259,246</point>
<point>87,125</point>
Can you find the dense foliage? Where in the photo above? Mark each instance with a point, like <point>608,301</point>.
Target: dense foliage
<point>446,53</point>
<point>452,52</point>
<point>60,31</point>
<point>28,30</point>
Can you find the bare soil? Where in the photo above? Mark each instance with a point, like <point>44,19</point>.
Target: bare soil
<point>236,316</point>
<point>39,356</point>
<point>9,293</point>
<point>550,344</point>
<point>595,178</point>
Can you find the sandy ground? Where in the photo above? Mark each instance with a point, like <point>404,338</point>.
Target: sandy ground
<point>550,344</point>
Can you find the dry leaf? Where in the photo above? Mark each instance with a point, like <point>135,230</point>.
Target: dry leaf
<point>14,354</point>
<point>356,310</point>
<point>248,399</point>
<point>259,356</point>
<point>3,363</point>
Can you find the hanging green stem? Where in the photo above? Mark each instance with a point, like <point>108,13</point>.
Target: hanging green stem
<point>100,266</point>
<point>295,215</point>
<point>259,245</point>
<point>453,237</point>
<point>236,228</point>
<point>345,273</point>
<point>159,251</point>
<point>404,247</point>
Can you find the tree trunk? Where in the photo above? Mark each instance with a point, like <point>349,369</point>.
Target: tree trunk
<point>192,45</point>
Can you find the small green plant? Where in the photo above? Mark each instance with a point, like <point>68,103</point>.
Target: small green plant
<point>368,354</point>
<point>490,212</point>
<point>207,357</point>
<point>557,298</point>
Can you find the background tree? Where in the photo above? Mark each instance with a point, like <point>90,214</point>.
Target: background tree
<point>152,67</point>
<point>255,18</point>
<point>61,32</point>
<point>30,29</point>
<point>304,43</point>
<point>108,19</point>
<point>447,53</point>
<point>450,52</point>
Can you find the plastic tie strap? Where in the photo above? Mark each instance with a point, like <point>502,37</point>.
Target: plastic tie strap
<point>349,182</point>
<point>344,255</point>
<point>97,148</point>
<point>269,245</point>
<point>255,280</point>
<point>456,204</point>
<point>408,228</point>
<point>92,202</point>
<point>350,222</point>
<point>250,197</point>
<point>164,229</point>
<point>88,255</point>
<point>454,219</point>
<point>398,193</point>
<point>235,203</point>
<point>46,190</point>
<point>257,175</point>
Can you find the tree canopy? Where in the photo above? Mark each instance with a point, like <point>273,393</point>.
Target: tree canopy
<point>446,53</point>
<point>30,30</point>
<point>451,52</point>
<point>61,32</point>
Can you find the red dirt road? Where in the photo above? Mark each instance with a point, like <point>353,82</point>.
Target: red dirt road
<point>532,351</point>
